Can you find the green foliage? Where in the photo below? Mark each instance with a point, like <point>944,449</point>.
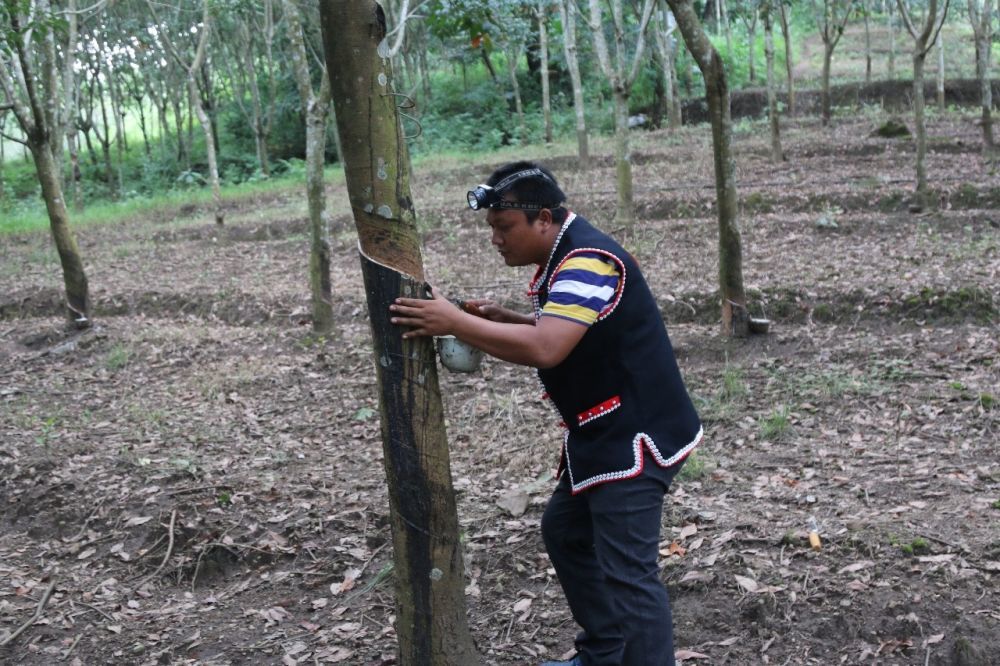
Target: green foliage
<point>117,358</point>
<point>917,546</point>
<point>775,425</point>
<point>696,466</point>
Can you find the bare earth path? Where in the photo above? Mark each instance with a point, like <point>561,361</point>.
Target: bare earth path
<point>201,401</point>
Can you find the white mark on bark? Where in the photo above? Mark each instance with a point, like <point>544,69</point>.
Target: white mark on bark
<point>382,173</point>
<point>384,50</point>
<point>436,574</point>
<point>382,79</point>
<point>369,208</point>
<point>384,361</point>
<point>384,211</point>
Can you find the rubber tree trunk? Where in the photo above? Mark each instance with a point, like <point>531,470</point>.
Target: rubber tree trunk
<point>32,119</point>
<point>431,623</point>
<point>568,14</point>
<point>663,31</point>
<point>772,97</point>
<point>513,53</point>
<point>940,72</point>
<point>735,317</point>
<point>197,103</point>
<point>825,84</point>
<point>543,48</point>
<point>919,57</point>
<point>865,5</point>
<point>892,39</point>
<point>981,17</point>
<point>752,46</point>
<point>316,109</point>
<point>786,34</point>
<point>621,70</point>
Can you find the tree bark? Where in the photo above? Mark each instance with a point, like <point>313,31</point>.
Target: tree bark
<point>513,53</point>
<point>316,115</point>
<point>431,623</point>
<point>17,80</point>
<point>865,5</point>
<point>924,37</point>
<point>568,14</point>
<point>541,13</point>
<point>772,98</point>
<point>982,27</point>
<point>824,94</point>
<point>621,74</point>
<point>940,73</point>
<point>892,39</point>
<point>786,34</point>
<point>663,31</point>
<point>735,317</point>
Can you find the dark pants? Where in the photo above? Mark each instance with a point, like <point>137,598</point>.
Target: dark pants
<point>603,544</point>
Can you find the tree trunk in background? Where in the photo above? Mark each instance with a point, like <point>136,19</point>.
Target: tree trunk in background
<point>621,74</point>
<point>316,115</point>
<point>786,34</point>
<point>892,39</point>
<point>727,27</point>
<point>865,6</point>
<point>32,118</point>
<point>513,53</point>
<point>567,10</point>
<point>921,127</point>
<point>982,27</point>
<point>825,86</point>
<point>663,30</point>
<point>940,73</point>
<point>772,97</point>
<point>735,317</point>
<point>69,107</point>
<point>431,624</point>
<point>923,41</point>
<point>752,38</point>
<point>196,102</point>
<point>541,13</point>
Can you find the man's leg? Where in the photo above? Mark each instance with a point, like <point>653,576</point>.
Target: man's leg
<point>626,517</point>
<point>568,534</point>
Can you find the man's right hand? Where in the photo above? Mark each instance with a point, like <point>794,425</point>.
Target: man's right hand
<point>488,309</point>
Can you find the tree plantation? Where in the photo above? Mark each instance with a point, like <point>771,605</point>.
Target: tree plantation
<point>218,447</point>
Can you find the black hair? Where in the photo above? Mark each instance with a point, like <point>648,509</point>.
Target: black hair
<point>532,189</point>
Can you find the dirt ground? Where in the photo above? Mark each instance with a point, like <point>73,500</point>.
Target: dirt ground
<point>198,479</point>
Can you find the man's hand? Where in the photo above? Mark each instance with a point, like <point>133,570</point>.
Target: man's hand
<point>493,311</point>
<point>434,316</point>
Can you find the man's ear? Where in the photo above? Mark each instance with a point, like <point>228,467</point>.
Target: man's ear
<point>545,217</point>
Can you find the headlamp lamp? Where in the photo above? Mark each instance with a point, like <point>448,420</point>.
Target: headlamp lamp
<point>486,196</point>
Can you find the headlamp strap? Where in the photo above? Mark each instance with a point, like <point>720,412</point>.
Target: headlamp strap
<point>511,179</point>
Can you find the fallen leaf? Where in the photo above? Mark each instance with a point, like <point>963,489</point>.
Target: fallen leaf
<point>350,576</point>
<point>681,655</point>
<point>748,584</point>
<point>688,530</point>
<point>857,566</point>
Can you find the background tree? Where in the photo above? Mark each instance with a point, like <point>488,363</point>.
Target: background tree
<point>891,12</point>
<point>567,12</point>
<point>924,34</point>
<point>314,107</point>
<point>431,623</point>
<point>22,36</point>
<point>766,13</point>
<point>666,47</point>
<point>196,98</point>
<point>830,21</point>
<point>253,25</point>
<point>865,11</point>
<point>621,72</point>
<point>748,13</point>
<point>980,15</point>
<point>542,17</point>
<point>786,34</point>
<point>735,317</point>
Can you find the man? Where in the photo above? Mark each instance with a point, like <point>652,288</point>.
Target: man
<point>603,354</point>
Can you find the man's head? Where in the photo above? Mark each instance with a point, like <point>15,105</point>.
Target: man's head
<point>523,205</point>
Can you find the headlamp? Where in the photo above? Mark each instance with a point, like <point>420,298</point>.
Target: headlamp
<point>485,196</point>
<point>482,196</point>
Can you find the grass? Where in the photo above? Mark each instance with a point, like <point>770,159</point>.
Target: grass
<point>775,425</point>
<point>110,212</point>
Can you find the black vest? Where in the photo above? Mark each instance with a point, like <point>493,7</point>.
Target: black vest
<point>620,389</point>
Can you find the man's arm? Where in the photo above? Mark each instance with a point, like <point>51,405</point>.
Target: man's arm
<point>542,344</point>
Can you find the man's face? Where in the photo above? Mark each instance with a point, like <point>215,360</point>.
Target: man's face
<point>519,242</point>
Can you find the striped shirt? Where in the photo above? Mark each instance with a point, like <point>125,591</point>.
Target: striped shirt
<point>583,286</point>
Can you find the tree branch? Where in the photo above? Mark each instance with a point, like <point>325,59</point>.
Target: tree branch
<point>907,21</point>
